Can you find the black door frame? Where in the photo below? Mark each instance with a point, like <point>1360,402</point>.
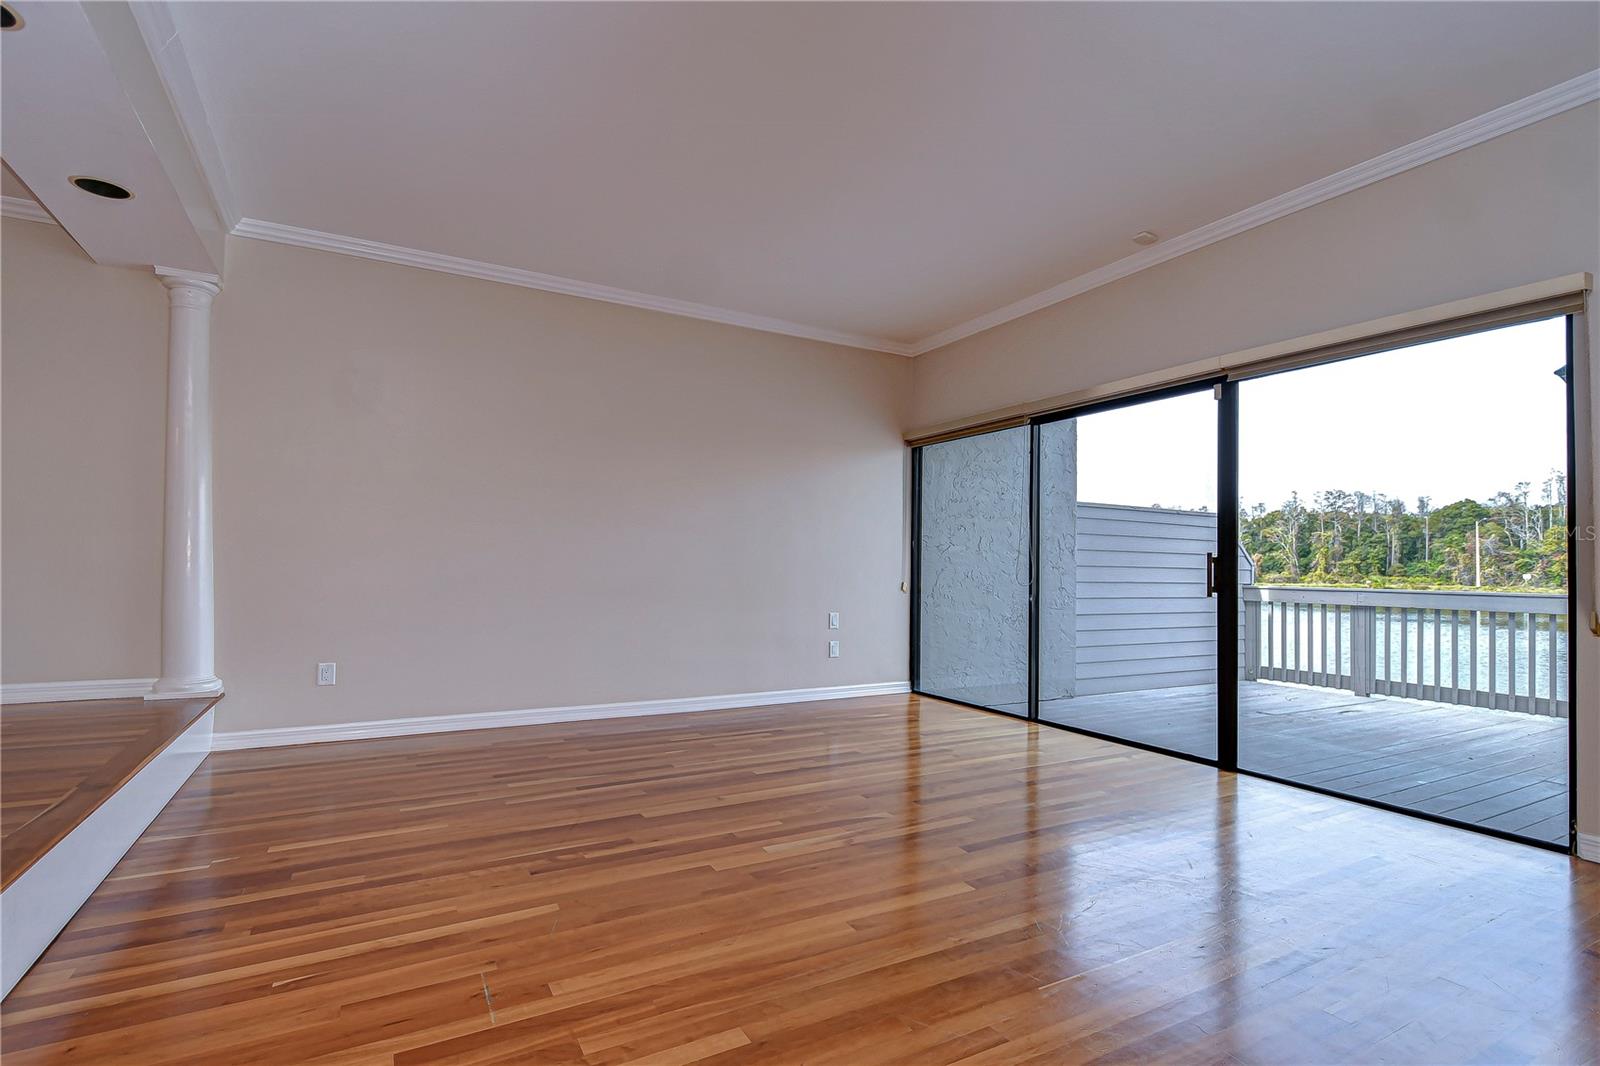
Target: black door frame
<point>1219,387</point>
<point>1226,391</point>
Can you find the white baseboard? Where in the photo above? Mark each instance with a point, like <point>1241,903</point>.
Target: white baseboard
<point>450,723</point>
<point>1589,846</point>
<point>38,904</point>
<point>62,691</point>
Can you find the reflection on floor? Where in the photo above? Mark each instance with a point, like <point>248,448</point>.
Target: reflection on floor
<point>1500,769</point>
<point>881,880</point>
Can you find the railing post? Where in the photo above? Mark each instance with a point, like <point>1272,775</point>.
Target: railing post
<point>1252,639</point>
<point>1363,650</point>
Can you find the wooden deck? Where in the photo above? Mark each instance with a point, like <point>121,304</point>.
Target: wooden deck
<point>1498,769</point>
<point>60,761</point>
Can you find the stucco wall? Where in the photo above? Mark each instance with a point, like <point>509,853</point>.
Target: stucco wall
<point>1060,576</point>
<point>974,587</point>
<point>975,566</point>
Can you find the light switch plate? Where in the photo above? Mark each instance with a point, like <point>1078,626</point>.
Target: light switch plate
<point>833,649</point>
<point>833,619</point>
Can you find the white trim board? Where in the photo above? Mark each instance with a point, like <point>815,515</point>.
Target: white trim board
<point>256,229</point>
<point>63,691</point>
<point>38,904</point>
<point>452,723</point>
<point>20,207</point>
<point>1589,846</point>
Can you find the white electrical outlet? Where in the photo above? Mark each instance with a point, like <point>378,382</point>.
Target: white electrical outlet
<point>833,619</point>
<point>833,649</point>
<point>327,673</point>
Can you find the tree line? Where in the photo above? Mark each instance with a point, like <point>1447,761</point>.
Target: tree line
<point>1516,540</point>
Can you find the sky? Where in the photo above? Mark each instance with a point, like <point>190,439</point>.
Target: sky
<point>1455,419</point>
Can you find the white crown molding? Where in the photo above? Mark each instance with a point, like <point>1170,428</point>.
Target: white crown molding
<point>450,723</point>
<point>20,207</point>
<point>531,279</point>
<point>1553,101</point>
<point>1542,105</point>
<point>63,691</point>
<point>166,51</point>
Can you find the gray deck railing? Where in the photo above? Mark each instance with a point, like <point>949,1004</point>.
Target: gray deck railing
<point>1482,649</point>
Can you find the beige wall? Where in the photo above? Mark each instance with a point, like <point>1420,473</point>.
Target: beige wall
<point>83,357</point>
<point>1521,208</point>
<point>478,497</point>
<point>469,496</point>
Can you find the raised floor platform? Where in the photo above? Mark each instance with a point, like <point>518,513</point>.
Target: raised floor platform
<point>60,761</point>
<point>78,782</point>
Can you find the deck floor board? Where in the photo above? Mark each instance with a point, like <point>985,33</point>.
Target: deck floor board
<point>1504,770</point>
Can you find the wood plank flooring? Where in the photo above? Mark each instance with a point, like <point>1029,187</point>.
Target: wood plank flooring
<point>1499,769</point>
<point>60,761</point>
<point>889,880</point>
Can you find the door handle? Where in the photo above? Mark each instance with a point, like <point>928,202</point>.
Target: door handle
<point>1211,574</point>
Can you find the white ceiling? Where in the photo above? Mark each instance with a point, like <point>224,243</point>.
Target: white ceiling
<point>888,170</point>
<point>74,104</point>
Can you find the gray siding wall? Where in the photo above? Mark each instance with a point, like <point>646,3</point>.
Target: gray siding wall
<point>1122,606</point>
<point>1144,620</point>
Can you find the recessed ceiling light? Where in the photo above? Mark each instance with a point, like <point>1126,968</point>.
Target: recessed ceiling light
<point>1144,236</point>
<point>9,19</point>
<point>101,187</point>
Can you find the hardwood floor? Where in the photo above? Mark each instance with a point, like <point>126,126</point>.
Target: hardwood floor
<point>60,761</point>
<point>882,880</point>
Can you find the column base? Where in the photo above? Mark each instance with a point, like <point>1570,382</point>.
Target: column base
<point>179,688</point>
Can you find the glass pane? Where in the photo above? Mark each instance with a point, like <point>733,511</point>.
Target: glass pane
<point>1405,516</point>
<point>1127,631</point>
<point>974,580</point>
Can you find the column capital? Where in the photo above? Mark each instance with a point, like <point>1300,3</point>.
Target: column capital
<point>176,280</point>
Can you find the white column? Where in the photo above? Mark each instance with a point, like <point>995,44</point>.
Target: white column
<point>188,597</point>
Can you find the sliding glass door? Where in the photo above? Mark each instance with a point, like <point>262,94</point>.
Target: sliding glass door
<point>1352,575</point>
<point>1128,542</point>
<point>1407,621</point>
